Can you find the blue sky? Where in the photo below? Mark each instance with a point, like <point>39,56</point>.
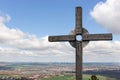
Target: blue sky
<point>43,17</point>
<point>28,23</point>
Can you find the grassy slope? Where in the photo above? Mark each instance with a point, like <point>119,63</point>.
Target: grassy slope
<point>86,77</point>
<point>61,78</point>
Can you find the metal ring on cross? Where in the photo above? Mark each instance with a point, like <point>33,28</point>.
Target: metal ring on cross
<point>73,43</point>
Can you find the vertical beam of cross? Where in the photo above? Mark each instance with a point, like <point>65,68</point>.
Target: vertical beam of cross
<point>79,60</point>
<point>78,31</point>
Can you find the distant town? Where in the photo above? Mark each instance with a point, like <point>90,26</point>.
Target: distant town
<point>38,71</point>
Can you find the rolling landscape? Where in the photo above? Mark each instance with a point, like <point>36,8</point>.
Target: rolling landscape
<point>57,71</point>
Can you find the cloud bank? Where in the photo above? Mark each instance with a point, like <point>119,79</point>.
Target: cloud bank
<point>16,45</point>
<point>108,15</point>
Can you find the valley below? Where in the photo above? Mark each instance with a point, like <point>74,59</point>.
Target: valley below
<point>45,71</point>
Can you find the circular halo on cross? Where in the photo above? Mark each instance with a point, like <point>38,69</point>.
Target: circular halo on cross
<point>84,43</point>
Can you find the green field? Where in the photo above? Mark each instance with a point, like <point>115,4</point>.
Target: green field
<point>85,77</point>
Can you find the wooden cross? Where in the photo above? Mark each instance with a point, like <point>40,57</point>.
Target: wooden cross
<point>78,44</point>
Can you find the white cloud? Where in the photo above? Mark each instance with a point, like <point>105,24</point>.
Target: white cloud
<point>6,18</point>
<point>16,45</point>
<point>105,51</point>
<point>108,14</point>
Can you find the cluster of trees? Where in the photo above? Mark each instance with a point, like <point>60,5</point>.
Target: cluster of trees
<point>94,77</point>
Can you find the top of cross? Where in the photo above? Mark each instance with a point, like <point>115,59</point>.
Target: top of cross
<point>80,31</point>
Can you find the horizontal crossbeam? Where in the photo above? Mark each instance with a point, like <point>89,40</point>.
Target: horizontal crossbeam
<point>62,38</point>
<point>96,37</point>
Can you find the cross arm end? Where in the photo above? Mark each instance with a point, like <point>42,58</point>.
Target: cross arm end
<point>61,38</point>
<point>96,37</point>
